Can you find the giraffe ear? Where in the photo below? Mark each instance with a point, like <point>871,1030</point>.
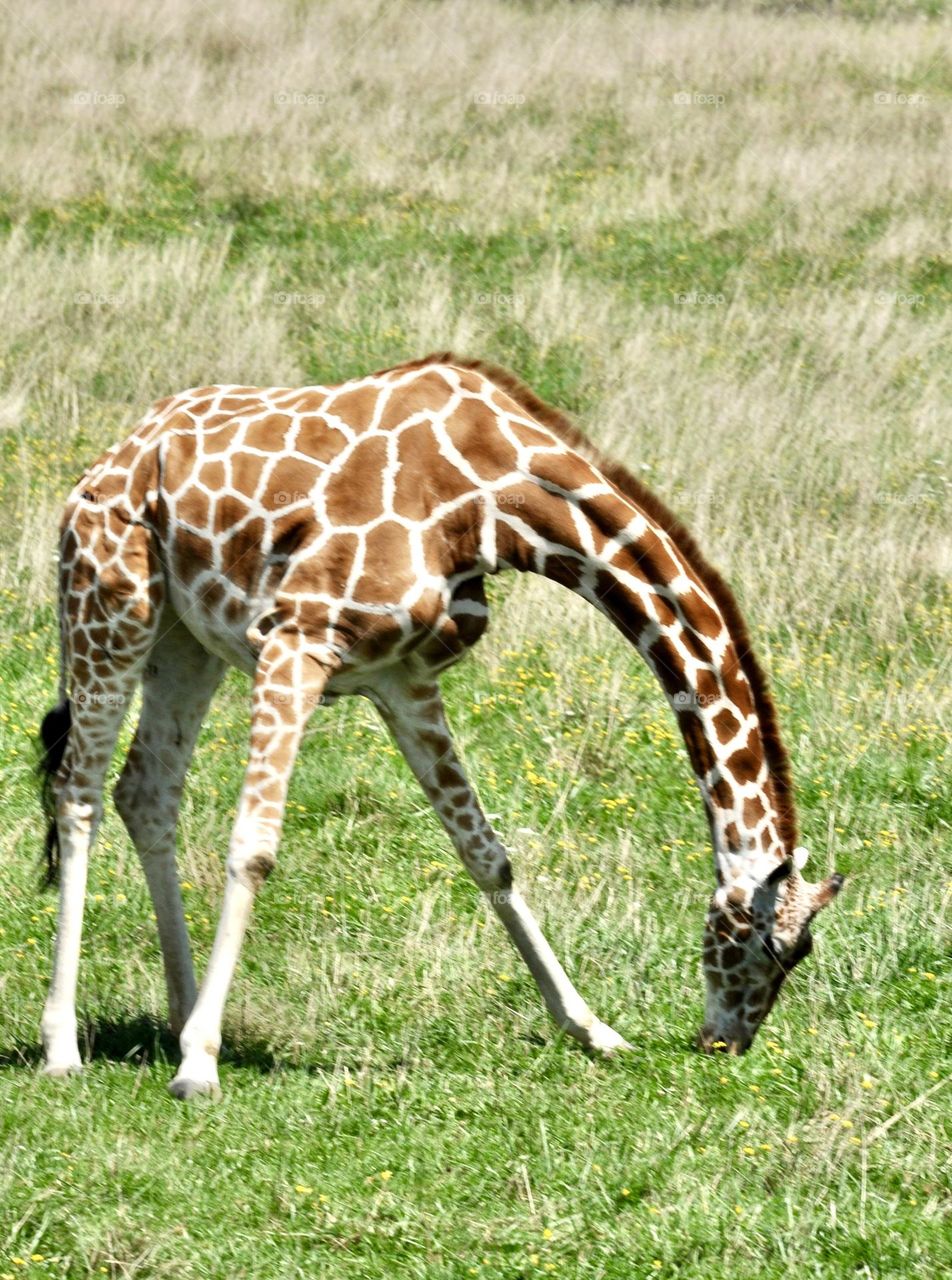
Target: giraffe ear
<point>796,862</point>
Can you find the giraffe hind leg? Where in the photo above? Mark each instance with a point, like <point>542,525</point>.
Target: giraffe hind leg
<point>178,683</point>
<point>97,710</point>
<point>109,610</point>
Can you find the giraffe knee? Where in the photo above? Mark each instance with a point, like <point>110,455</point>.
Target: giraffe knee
<point>76,815</point>
<point>491,869</point>
<point>252,869</point>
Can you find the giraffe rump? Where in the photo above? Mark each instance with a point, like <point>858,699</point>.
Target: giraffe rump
<point>54,734</point>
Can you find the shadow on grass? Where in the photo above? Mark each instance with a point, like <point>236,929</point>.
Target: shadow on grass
<point>143,1040</point>
<point>138,1039</point>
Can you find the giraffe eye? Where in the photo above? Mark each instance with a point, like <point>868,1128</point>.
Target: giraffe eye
<point>803,948</point>
<point>772,947</point>
<point>788,956</point>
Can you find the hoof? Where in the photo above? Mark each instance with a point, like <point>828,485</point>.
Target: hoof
<point>606,1042</point>
<point>60,1070</point>
<point>185,1089</point>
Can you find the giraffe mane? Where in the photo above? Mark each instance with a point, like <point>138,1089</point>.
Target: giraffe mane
<point>775,752</point>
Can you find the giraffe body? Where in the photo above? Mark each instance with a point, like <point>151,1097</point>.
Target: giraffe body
<point>334,540</point>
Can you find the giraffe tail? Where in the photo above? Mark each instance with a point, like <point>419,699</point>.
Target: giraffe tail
<point>54,734</point>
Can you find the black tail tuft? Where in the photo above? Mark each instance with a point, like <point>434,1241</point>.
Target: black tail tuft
<point>54,732</point>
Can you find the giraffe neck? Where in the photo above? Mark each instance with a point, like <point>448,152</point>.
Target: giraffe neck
<point>580,531</point>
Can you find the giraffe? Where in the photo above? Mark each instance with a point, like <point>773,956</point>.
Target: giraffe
<point>334,540</point>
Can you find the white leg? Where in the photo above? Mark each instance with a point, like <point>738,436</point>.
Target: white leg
<point>177,687</point>
<point>288,684</point>
<point>561,999</point>
<point>97,714</point>
<point>414,714</point>
<point>201,1036</point>
<point>76,824</point>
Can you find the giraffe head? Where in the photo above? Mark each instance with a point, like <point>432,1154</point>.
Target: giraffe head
<point>755,934</point>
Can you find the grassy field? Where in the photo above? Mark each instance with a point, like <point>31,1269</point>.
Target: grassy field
<point>719,236</point>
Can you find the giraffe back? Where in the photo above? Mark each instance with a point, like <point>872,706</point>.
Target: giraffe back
<point>355,510</point>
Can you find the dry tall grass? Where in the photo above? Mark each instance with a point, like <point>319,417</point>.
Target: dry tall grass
<point>758,415</point>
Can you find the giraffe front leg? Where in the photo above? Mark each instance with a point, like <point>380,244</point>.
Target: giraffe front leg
<point>562,1000</point>
<point>288,684</point>
<point>415,717</point>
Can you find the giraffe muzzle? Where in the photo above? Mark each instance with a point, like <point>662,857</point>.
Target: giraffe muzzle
<point>715,1042</point>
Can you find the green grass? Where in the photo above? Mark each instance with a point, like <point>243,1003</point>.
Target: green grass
<point>379,1021</point>
<point>395,1100</point>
